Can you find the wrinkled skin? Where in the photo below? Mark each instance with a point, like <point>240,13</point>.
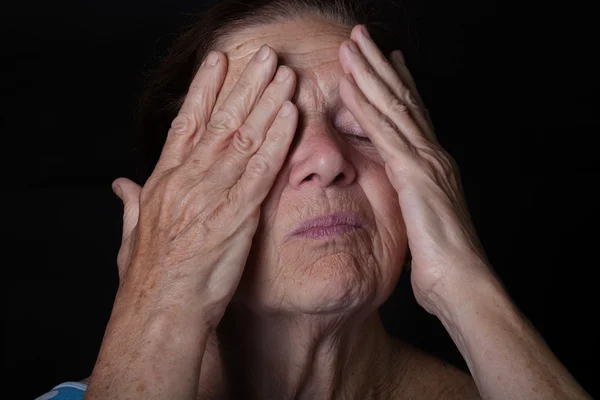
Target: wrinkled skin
<point>215,216</point>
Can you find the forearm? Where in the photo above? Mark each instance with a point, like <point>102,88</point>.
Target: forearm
<point>152,357</point>
<point>507,358</point>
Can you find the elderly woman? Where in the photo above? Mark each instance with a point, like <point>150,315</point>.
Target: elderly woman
<point>298,169</point>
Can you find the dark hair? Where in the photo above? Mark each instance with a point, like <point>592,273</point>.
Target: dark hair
<point>167,86</point>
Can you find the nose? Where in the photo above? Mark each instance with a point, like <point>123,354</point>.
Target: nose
<point>318,160</point>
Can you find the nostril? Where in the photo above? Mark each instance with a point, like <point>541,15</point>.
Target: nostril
<point>310,177</point>
<point>339,178</point>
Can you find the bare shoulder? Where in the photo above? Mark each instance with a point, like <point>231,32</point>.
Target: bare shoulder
<point>427,377</point>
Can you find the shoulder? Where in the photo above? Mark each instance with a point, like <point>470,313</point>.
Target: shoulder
<point>424,376</point>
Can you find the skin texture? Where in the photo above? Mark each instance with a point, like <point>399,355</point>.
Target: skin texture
<point>296,317</point>
<point>308,308</point>
<point>326,171</point>
<point>304,302</point>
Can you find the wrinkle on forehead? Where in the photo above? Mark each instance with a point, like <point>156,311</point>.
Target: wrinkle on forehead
<point>309,46</point>
<point>285,35</point>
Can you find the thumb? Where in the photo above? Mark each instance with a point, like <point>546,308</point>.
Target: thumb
<point>129,193</point>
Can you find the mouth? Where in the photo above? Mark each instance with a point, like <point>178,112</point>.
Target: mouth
<point>327,226</point>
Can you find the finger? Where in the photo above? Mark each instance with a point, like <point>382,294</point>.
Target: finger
<point>399,56</point>
<point>404,87</point>
<point>401,84</point>
<point>394,104</point>
<point>397,60</point>
<point>396,76</point>
<point>129,193</point>
<point>251,135</point>
<point>379,95</point>
<point>190,123</point>
<point>382,131</point>
<point>237,106</point>
<point>263,167</point>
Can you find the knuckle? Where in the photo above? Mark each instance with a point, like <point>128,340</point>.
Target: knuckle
<point>223,120</point>
<point>271,103</point>
<point>410,98</point>
<point>397,106</point>
<point>182,124</point>
<point>250,130</point>
<point>370,73</point>
<point>385,123</point>
<point>243,142</point>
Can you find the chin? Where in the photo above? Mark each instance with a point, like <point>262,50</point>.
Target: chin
<point>335,283</point>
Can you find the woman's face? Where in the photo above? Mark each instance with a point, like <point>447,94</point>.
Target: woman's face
<point>327,171</point>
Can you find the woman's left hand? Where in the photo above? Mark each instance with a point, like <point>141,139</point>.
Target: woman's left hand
<point>383,99</point>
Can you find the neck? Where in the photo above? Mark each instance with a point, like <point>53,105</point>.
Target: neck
<point>281,357</point>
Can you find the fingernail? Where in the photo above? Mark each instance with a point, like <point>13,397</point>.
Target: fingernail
<point>263,53</point>
<point>212,59</point>
<point>352,46</point>
<point>366,32</point>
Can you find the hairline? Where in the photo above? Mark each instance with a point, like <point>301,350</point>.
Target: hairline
<point>225,35</point>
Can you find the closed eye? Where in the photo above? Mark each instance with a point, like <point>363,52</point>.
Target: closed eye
<point>354,133</point>
<point>349,128</point>
<point>359,138</point>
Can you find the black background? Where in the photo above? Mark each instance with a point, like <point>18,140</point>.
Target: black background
<point>512,89</point>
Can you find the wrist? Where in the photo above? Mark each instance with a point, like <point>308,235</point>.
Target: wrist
<point>176,302</point>
<point>476,290</point>
<point>506,356</point>
<point>158,320</point>
<point>474,306</point>
<point>147,352</point>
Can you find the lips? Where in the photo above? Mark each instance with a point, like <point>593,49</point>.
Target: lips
<point>328,225</point>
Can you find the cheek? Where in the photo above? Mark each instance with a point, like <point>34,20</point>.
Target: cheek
<point>392,240</point>
<point>267,235</point>
<point>271,203</point>
<point>374,182</point>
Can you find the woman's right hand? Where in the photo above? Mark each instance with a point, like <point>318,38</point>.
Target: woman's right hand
<point>187,233</point>
<point>200,207</point>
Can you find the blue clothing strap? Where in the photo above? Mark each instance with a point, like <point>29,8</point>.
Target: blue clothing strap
<point>65,391</point>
